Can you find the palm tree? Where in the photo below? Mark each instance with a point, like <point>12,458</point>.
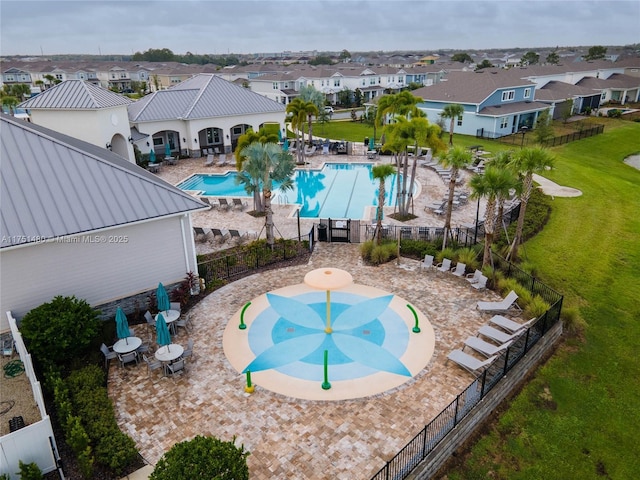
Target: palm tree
<point>495,182</point>
<point>248,138</point>
<point>298,116</point>
<point>380,173</point>
<point>310,95</point>
<point>266,163</point>
<point>527,162</point>
<point>403,103</point>
<point>501,160</point>
<point>452,111</point>
<point>456,159</point>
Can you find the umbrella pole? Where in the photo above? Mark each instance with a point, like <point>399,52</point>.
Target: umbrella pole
<point>328,328</point>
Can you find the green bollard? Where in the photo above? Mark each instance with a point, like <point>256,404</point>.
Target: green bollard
<point>416,328</point>
<point>242,325</point>
<point>249,388</point>
<point>326,385</point>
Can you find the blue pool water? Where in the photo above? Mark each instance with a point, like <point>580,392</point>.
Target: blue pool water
<point>338,190</point>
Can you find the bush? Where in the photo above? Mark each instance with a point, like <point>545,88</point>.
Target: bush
<point>446,253</point>
<point>536,307</point>
<point>505,285</point>
<point>29,471</point>
<point>203,457</point>
<point>572,322</point>
<point>59,331</point>
<point>468,256</point>
<point>383,253</point>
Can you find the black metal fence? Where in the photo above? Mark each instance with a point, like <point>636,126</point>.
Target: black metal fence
<point>424,442</point>
<point>522,139</point>
<point>257,256</point>
<point>571,137</point>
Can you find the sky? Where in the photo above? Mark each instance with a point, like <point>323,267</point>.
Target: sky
<point>268,26</point>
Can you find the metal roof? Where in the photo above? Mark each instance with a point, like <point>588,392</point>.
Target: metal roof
<point>202,96</point>
<point>54,185</point>
<point>75,94</point>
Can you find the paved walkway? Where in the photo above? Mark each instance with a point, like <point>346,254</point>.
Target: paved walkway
<point>290,438</point>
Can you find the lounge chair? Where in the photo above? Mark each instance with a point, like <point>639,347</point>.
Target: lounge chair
<point>224,204</point>
<point>197,231</point>
<point>309,151</point>
<point>206,200</point>
<point>485,348</point>
<point>238,203</point>
<point>509,325</point>
<point>459,270</point>
<point>427,262</point>
<point>505,305</point>
<point>481,284</point>
<point>219,234</point>
<point>474,277</point>
<point>209,161</point>
<point>222,160</point>
<point>496,335</point>
<point>445,266</point>
<point>236,235</point>
<point>470,363</point>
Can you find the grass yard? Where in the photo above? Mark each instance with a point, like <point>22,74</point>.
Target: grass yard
<point>580,416</point>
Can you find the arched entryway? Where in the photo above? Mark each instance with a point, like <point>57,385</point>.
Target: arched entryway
<point>166,143</point>
<point>120,145</point>
<point>211,138</point>
<point>236,132</point>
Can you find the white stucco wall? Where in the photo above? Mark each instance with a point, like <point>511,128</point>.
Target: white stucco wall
<point>97,267</point>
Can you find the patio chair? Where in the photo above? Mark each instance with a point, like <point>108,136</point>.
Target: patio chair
<point>176,367</point>
<point>209,161</point>
<point>470,363</point>
<point>175,306</point>
<point>485,348</point>
<point>481,284</point>
<point>199,233</point>
<point>108,354</point>
<point>427,262</point>
<point>128,358</point>
<point>222,160</point>
<point>151,364</point>
<point>459,270</point>
<point>188,350</point>
<point>183,322</point>
<point>509,325</point>
<point>224,204</point>
<point>444,266</point>
<point>505,305</point>
<point>238,203</point>
<point>496,335</point>
<point>474,277</point>
<point>216,150</point>
<point>207,201</point>
<point>309,151</point>
<point>237,235</point>
<point>143,348</point>
<point>220,235</point>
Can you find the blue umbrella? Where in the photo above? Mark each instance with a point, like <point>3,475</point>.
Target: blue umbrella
<point>163,298</point>
<point>285,145</point>
<point>372,145</point>
<point>122,325</point>
<point>152,156</point>
<point>163,337</point>
<point>167,150</point>
<point>279,135</point>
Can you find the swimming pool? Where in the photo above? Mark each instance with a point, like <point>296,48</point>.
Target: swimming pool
<point>338,190</point>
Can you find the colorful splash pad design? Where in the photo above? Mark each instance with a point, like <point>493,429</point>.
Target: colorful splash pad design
<point>371,347</point>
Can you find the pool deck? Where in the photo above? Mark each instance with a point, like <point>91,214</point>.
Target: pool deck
<point>291,438</point>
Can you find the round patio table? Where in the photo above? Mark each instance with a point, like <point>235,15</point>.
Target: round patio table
<point>126,345</point>
<point>169,353</point>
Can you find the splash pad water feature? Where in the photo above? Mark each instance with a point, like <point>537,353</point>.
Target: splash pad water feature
<point>329,339</point>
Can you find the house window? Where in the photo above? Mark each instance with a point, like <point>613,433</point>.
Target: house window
<point>400,79</point>
<point>123,75</point>
<point>527,93</point>
<point>372,80</point>
<point>82,76</point>
<point>58,76</point>
<point>504,122</point>
<point>237,130</point>
<point>508,95</point>
<point>9,78</point>
<point>336,82</point>
<point>274,85</point>
<point>460,121</point>
<point>158,142</point>
<point>213,136</point>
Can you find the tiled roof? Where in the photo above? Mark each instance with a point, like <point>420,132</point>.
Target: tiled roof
<point>75,94</point>
<point>561,91</point>
<point>511,108</point>
<point>54,185</point>
<point>202,96</point>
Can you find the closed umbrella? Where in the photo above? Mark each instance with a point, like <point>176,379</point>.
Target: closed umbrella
<point>163,337</point>
<point>163,298</point>
<point>285,145</point>
<point>372,145</point>
<point>122,325</point>
<point>152,156</point>
<point>279,135</point>
<point>167,150</point>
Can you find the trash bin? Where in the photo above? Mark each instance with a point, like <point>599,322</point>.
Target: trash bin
<point>322,232</point>
<point>366,141</point>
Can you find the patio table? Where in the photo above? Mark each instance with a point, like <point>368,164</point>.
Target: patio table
<point>126,345</point>
<point>168,353</point>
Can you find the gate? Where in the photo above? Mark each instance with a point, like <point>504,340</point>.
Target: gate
<point>339,230</point>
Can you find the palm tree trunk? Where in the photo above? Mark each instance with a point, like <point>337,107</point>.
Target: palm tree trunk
<point>268,217</point>
<point>310,127</point>
<point>405,171</point>
<point>524,199</point>
<point>381,194</point>
<point>489,228</point>
<point>447,218</point>
<point>451,131</point>
<point>412,180</point>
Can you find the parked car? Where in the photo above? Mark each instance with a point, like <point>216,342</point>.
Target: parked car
<point>328,109</point>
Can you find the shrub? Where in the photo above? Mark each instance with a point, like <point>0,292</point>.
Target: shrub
<point>383,253</point>
<point>469,257</point>
<point>29,471</point>
<point>536,307</point>
<point>59,331</point>
<point>366,248</point>
<point>572,321</point>
<point>203,457</point>
<point>505,285</point>
<point>446,253</point>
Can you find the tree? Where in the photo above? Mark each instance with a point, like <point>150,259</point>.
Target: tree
<point>567,110</point>
<point>501,160</point>
<point>403,103</point>
<point>527,162</point>
<point>452,111</point>
<point>456,158</point>
<point>321,60</point>
<point>462,57</point>
<point>530,58</point>
<point>381,173</point>
<point>58,331</point>
<point>484,64</point>
<point>50,79</point>
<point>494,183</point>
<point>596,53</point>
<point>265,164</point>
<point>247,138</point>
<point>553,58</point>
<point>297,111</point>
<point>314,103</point>
<point>345,97</point>
<point>344,54</point>
<point>9,102</point>
<point>544,129</point>
<point>203,457</point>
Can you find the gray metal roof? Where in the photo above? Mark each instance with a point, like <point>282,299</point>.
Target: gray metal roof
<point>75,94</point>
<point>202,96</point>
<point>54,185</point>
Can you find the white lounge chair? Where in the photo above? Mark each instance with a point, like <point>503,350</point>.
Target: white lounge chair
<point>209,161</point>
<point>427,262</point>
<point>496,335</point>
<point>474,277</point>
<point>481,283</point>
<point>505,305</point>
<point>485,348</point>
<point>222,160</point>
<point>470,363</point>
<point>459,270</point>
<point>509,325</point>
<point>445,266</point>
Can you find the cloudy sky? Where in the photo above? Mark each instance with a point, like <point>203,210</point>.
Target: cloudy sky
<point>236,26</point>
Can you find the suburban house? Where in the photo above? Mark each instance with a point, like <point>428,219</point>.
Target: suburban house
<point>494,105</point>
<point>82,110</point>
<point>202,112</point>
<point>77,219</point>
